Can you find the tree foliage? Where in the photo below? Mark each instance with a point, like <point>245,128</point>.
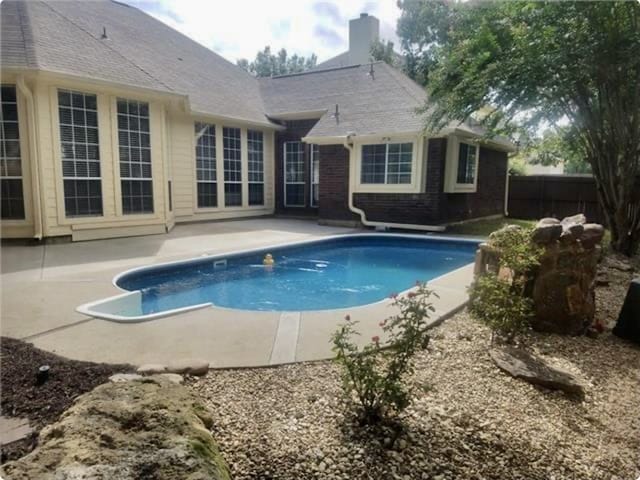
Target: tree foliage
<point>553,147</point>
<point>267,64</point>
<point>541,63</point>
<point>383,51</point>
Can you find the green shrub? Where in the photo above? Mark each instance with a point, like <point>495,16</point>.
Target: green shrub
<point>375,375</point>
<point>499,299</point>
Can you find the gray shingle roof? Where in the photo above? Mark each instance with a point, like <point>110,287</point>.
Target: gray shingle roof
<point>384,102</point>
<point>65,36</point>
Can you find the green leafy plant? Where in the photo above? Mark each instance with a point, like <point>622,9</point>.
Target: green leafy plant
<point>375,375</point>
<point>499,299</point>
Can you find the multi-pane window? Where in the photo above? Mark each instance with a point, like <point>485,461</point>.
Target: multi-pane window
<point>232,167</point>
<point>294,174</point>
<point>12,205</point>
<point>134,142</point>
<point>255,147</point>
<point>467,164</point>
<point>387,163</point>
<point>206,174</point>
<point>315,174</point>
<point>78,119</point>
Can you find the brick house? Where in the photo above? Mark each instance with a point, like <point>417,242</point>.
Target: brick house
<point>114,124</point>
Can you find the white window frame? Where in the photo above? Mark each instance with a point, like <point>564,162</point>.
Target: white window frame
<point>417,165</point>
<point>451,168</point>
<point>4,172</point>
<point>209,171</point>
<point>130,160</point>
<point>225,171</point>
<point>314,183</point>
<point>251,164</point>
<point>74,143</point>
<point>284,172</point>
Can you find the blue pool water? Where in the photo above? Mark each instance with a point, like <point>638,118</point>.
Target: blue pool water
<point>335,273</point>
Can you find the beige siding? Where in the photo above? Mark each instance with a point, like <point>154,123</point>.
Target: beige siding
<point>173,158</point>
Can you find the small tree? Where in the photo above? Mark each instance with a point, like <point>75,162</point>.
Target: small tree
<point>499,299</point>
<point>376,374</point>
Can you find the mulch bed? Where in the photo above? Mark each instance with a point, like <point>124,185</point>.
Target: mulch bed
<point>42,404</point>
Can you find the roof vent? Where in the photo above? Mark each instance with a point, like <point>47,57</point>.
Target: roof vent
<point>104,33</point>
<point>364,15</point>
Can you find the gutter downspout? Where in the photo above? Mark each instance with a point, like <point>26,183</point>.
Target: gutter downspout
<point>506,194</point>
<point>363,215</point>
<point>35,155</point>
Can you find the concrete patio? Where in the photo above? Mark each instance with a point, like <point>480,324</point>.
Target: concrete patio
<point>42,285</point>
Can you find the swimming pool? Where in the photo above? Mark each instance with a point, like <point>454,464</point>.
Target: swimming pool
<point>336,272</point>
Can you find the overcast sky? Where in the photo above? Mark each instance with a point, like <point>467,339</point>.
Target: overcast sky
<point>239,28</point>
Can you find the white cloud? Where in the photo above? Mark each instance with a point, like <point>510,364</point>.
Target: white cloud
<point>240,28</point>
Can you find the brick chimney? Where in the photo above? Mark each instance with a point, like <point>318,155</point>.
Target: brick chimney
<point>363,31</point>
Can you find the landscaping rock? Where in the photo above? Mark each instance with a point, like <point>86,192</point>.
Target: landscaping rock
<point>548,221</point>
<point>189,367</point>
<point>546,233</point>
<point>592,235</point>
<point>151,368</point>
<point>124,377</point>
<point>150,428</point>
<point>172,377</point>
<point>533,369</point>
<point>578,219</point>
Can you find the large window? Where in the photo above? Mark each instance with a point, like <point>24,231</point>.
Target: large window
<point>134,143</point>
<point>467,157</point>
<point>255,145</point>
<point>12,205</point>
<point>232,167</point>
<point>206,174</point>
<point>388,163</point>
<point>78,114</point>
<point>293,174</point>
<point>315,174</point>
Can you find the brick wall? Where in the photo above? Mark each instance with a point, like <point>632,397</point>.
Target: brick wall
<point>417,208</point>
<point>489,197</point>
<point>431,207</point>
<point>334,184</point>
<point>296,129</point>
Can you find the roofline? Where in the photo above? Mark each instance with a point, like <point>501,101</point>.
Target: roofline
<point>91,80</point>
<point>271,125</point>
<point>320,70</point>
<point>330,140</point>
<point>504,145</point>
<point>298,115</point>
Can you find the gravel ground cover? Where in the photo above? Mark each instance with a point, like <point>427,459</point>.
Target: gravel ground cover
<point>468,420</point>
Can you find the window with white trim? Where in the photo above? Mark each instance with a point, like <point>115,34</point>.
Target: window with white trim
<point>81,176</point>
<point>315,174</point>
<point>467,156</point>
<point>11,191</point>
<point>232,167</point>
<point>388,163</point>
<point>206,173</point>
<point>255,146</point>
<point>294,174</point>
<point>134,143</point>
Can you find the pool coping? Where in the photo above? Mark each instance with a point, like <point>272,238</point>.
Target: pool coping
<point>89,308</point>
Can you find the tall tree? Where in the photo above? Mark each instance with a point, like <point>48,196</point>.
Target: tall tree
<point>542,62</point>
<point>267,64</point>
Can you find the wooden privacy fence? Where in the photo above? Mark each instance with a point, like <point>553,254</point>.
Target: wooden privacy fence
<point>538,196</point>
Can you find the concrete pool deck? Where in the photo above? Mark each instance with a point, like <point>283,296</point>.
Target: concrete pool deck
<point>42,285</point>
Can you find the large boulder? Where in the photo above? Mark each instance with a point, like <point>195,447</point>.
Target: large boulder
<point>136,428</point>
<point>546,232</point>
